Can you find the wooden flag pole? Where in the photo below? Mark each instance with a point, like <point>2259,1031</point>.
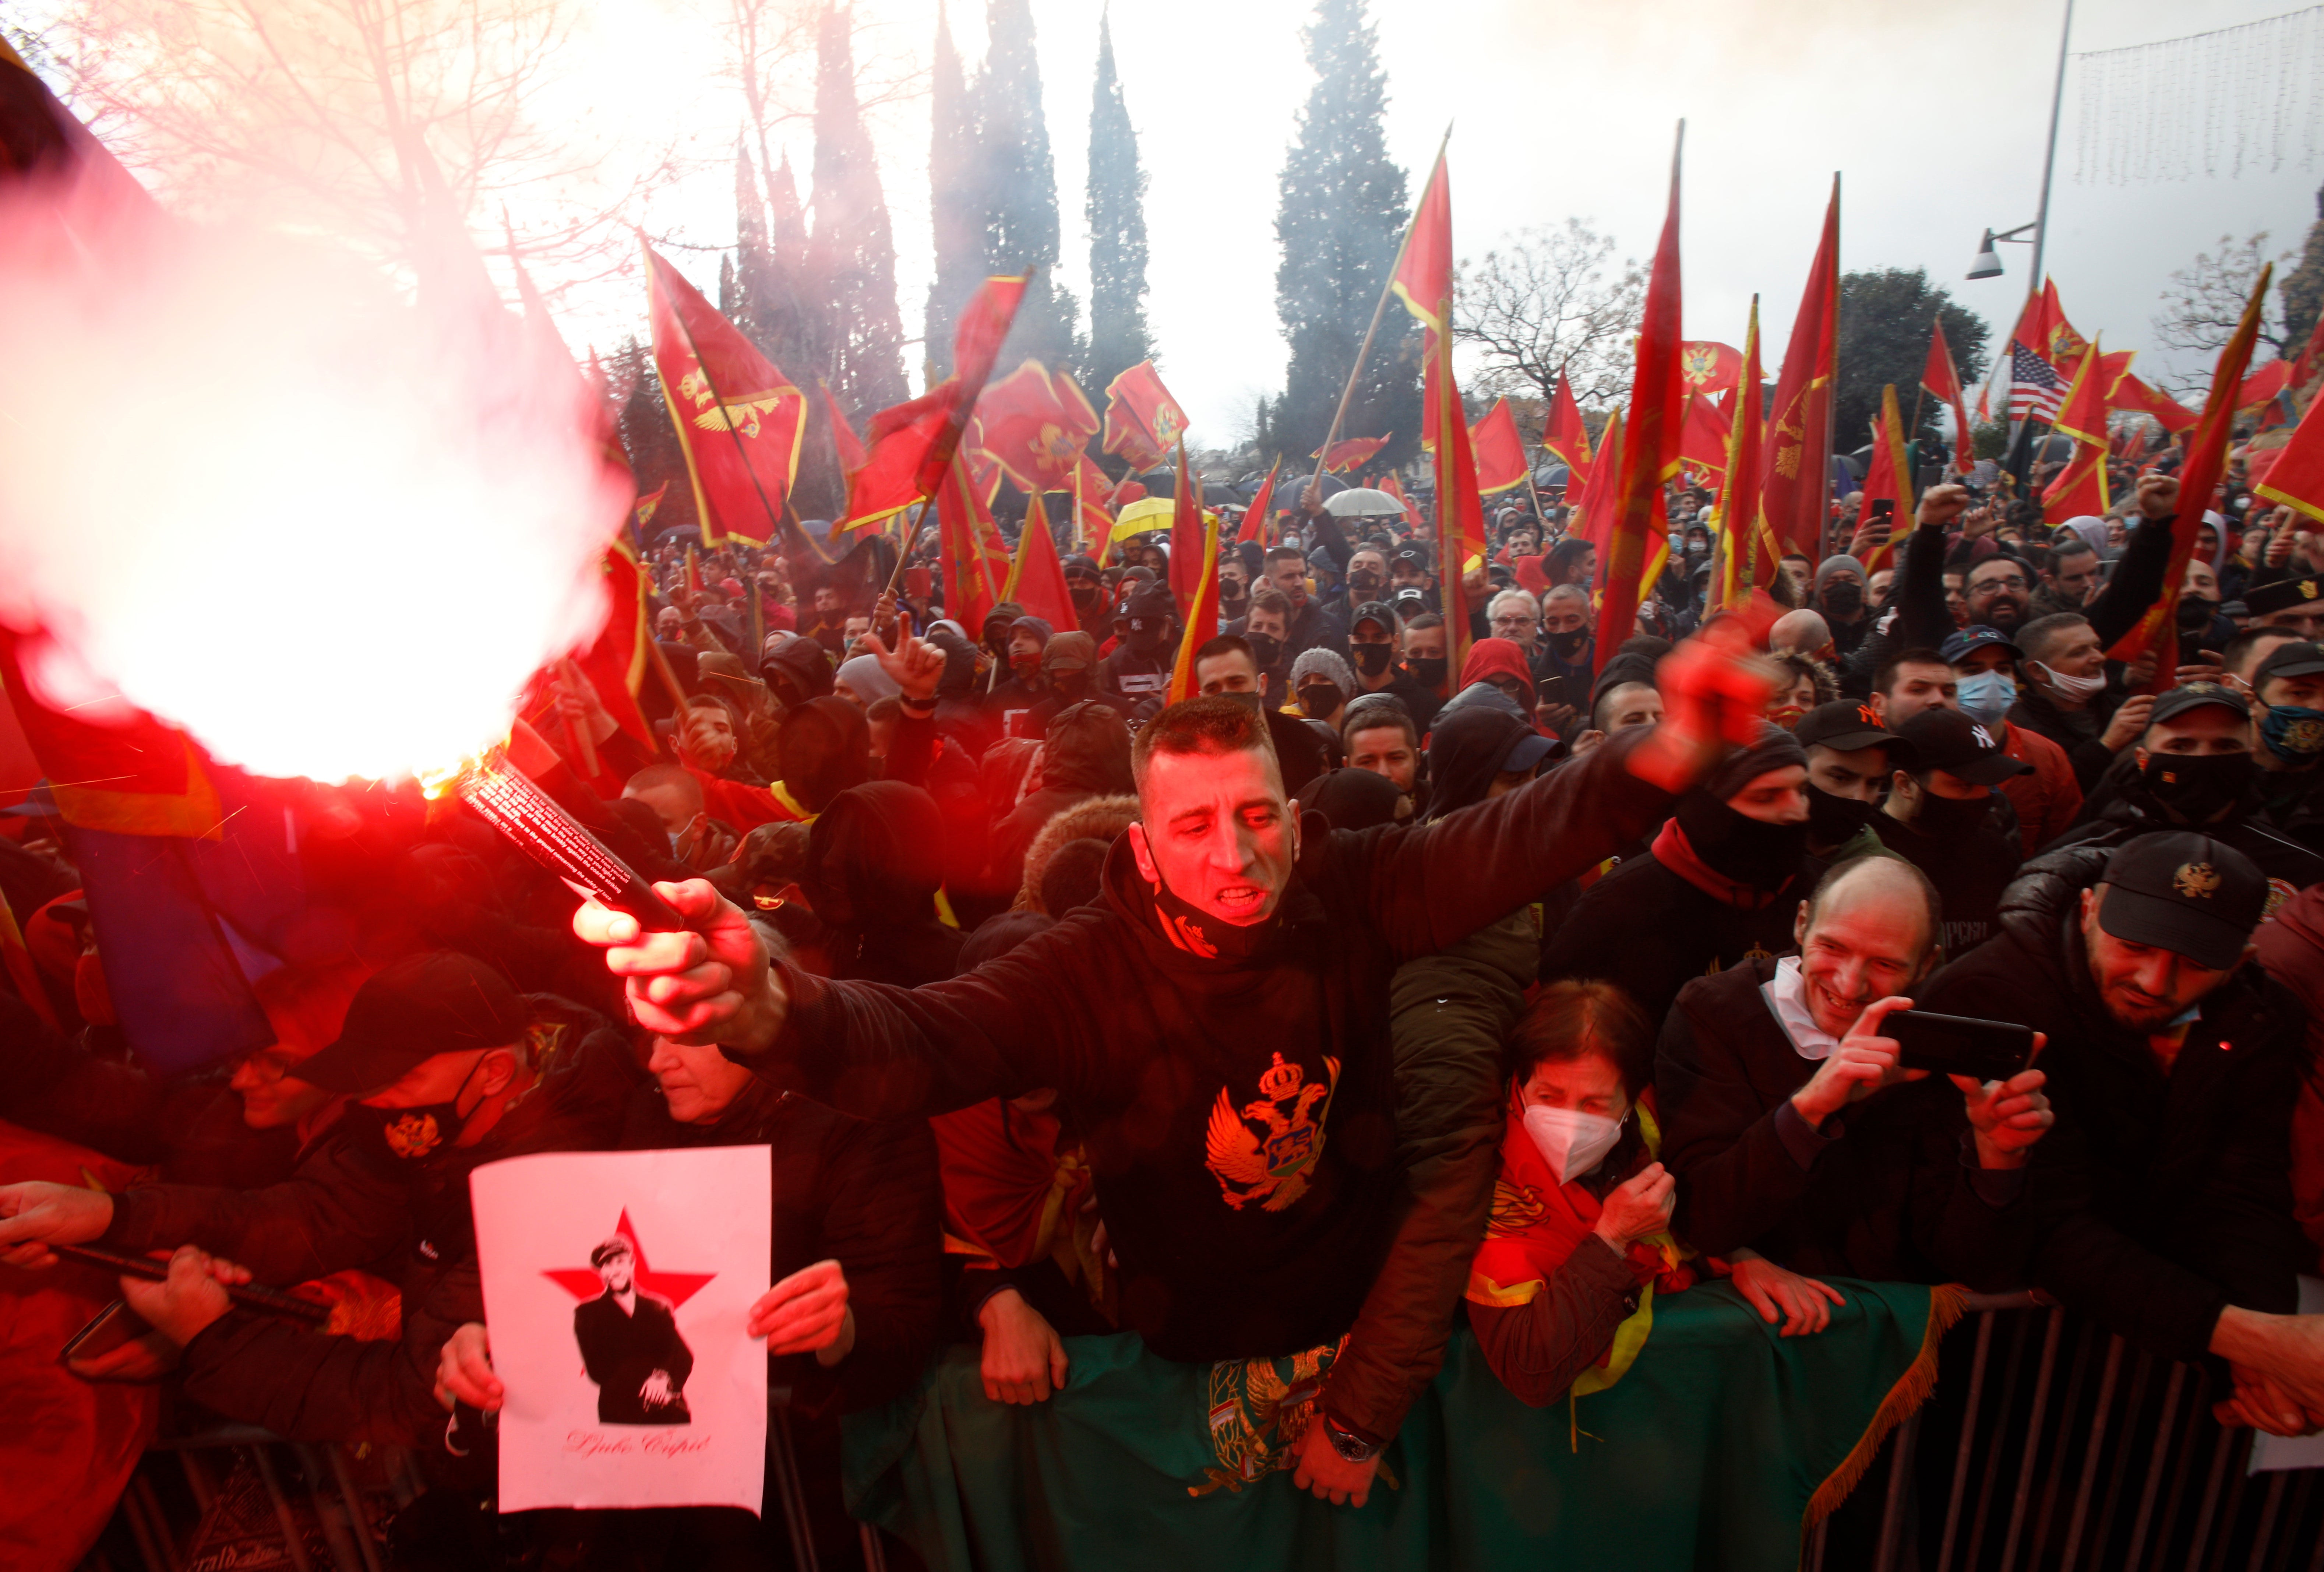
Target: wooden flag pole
<point>1363,353</point>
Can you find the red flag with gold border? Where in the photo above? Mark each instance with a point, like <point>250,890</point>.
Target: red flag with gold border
<point>1749,557</point>
<point>1424,281</point>
<point>1254,521</point>
<point>912,444</point>
<point>2130,393</point>
<point>1941,377</point>
<point>1797,477</point>
<point>2296,479</point>
<point>1702,439</point>
<point>1350,453</point>
<point>738,418</point>
<point>1651,440</point>
<point>1034,424</point>
<point>1036,577</point>
<point>1565,435</point>
<point>1888,477</point>
<point>2199,478</point>
<point>1201,607</point>
<point>1142,421</point>
<point>1500,450</point>
<point>1710,367</point>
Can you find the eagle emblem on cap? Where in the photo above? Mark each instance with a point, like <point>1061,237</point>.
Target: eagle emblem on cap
<point>1270,1167</point>
<point>2308,589</point>
<point>2196,880</point>
<point>413,1135</point>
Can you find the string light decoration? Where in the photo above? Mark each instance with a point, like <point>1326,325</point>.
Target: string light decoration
<point>2223,103</point>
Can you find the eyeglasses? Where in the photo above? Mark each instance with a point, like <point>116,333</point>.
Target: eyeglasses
<point>269,1065</point>
<point>2010,581</point>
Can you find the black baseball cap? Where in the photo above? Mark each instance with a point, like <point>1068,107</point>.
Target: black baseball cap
<point>2198,695</point>
<point>1957,645</point>
<point>1150,603</point>
<point>2295,659</point>
<point>439,1002</point>
<point>2184,892</point>
<point>1411,556</point>
<point>1948,740</point>
<point>1079,563</point>
<point>1845,726</point>
<point>1380,612</point>
<point>2282,596</point>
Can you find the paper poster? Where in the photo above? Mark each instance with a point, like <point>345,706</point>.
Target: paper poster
<point>616,1286</point>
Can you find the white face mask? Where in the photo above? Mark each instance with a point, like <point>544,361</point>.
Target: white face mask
<point>1572,1142</point>
<point>2070,687</point>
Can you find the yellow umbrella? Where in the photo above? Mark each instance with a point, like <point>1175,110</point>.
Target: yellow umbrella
<point>1146,514</point>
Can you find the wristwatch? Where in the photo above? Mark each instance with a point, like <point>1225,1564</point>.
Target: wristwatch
<point>1351,1446</point>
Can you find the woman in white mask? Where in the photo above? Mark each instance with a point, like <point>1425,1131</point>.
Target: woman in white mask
<point>1561,1293</point>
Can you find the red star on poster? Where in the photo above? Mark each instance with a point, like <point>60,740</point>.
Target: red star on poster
<point>677,1287</point>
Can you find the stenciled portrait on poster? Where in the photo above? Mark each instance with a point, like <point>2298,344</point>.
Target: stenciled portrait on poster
<point>616,1291</point>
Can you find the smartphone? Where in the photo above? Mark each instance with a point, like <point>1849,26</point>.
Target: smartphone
<point>1883,507</point>
<point>1550,690</point>
<point>1959,1045</point>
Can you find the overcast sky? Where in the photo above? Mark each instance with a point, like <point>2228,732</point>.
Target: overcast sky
<point>1933,113</point>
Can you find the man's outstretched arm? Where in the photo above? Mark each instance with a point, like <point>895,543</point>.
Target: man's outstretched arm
<point>865,1048</point>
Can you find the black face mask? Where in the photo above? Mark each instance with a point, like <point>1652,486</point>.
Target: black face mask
<point>1950,818</point>
<point>1428,670</point>
<point>1363,582</point>
<point>1205,936</point>
<point>1084,596</point>
<point>1844,598</point>
<point>1070,686</point>
<point>2198,788</point>
<point>2195,613</point>
<point>1265,648</point>
<point>1145,640</point>
<point>1833,819</point>
<point>1371,660</point>
<point>1250,698</point>
<point>1232,592</point>
<point>408,1139</point>
<point>1565,646</point>
<point>1317,700</point>
<point>1747,850</point>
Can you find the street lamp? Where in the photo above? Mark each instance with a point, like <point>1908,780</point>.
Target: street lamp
<point>1988,260</point>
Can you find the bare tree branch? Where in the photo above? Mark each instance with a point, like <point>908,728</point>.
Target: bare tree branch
<point>1550,303</point>
<point>2206,300</point>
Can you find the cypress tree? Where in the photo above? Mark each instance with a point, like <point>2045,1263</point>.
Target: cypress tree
<point>1018,182</point>
<point>955,202</point>
<point>1119,335</point>
<point>1343,216</point>
<point>852,251</point>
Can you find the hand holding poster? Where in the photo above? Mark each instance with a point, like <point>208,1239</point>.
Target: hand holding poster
<point>617,1286</point>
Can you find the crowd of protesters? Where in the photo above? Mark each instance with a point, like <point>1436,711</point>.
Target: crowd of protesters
<point>1244,1024</point>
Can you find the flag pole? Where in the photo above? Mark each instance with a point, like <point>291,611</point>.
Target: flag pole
<point>1363,353</point>
<point>1921,391</point>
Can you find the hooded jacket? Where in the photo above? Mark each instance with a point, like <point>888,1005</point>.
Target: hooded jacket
<point>874,863</point>
<point>1239,1111</point>
<point>2162,1198</point>
<point>1085,755</point>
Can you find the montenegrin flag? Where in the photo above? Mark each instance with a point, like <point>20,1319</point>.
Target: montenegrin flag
<point>1650,441</point>
<point>913,444</point>
<point>1142,421</point>
<point>1796,478</point>
<point>2199,478</point>
<point>1500,450</point>
<point>739,420</point>
<point>1424,281</point>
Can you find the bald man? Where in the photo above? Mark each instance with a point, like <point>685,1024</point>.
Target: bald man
<point>1795,1136</point>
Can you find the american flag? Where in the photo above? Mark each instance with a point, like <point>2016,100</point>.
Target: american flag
<point>2035,393</point>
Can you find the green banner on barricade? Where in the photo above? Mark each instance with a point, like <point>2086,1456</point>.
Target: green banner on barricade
<point>1707,1454</point>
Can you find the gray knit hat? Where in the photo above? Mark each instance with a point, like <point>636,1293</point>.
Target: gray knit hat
<point>1322,662</point>
<point>1832,565</point>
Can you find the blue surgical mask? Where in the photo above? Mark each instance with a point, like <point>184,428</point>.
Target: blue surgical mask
<point>1986,696</point>
<point>2293,733</point>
